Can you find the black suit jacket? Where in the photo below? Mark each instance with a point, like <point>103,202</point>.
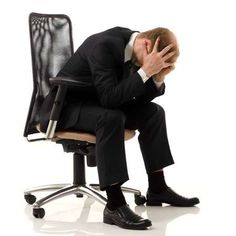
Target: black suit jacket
<point>100,59</point>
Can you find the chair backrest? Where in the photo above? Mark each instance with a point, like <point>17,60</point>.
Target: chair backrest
<point>51,47</point>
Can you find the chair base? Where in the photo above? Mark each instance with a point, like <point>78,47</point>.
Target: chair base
<point>63,190</point>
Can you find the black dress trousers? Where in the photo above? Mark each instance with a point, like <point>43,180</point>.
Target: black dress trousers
<point>109,124</point>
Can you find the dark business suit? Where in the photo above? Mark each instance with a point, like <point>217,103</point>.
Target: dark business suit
<point>119,100</point>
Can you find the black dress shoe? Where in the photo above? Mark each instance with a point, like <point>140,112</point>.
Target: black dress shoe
<point>124,217</point>
<point>169,197</point>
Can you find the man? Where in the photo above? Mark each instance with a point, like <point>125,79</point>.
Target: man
<point>127,70</point>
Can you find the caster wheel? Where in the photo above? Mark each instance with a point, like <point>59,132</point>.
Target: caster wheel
<point>79,195</point>
<point>139,199</point>
<point>38,212</point>
<point>29,198</point>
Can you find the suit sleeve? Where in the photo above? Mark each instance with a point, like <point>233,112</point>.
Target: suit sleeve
<point>111,92</point>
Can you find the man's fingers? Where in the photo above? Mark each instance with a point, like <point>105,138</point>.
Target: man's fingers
<point>155,47</point>
<point>169,69</point>
<point>166,64</point>
<point>166,49</point>
<point>168,55</point>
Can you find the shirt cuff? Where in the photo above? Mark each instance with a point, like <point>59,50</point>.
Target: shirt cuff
<point>143,75</point>
<point>157,83</point>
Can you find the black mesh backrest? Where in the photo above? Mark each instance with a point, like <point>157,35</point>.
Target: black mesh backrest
<point>51,47</point>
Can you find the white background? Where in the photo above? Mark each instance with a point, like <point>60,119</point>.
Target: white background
<point>199,104</point>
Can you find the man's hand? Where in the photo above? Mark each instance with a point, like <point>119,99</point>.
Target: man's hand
<point>156,61</point>
<point>161,75</point>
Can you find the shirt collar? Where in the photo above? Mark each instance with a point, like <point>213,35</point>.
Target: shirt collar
<point>129,47</point>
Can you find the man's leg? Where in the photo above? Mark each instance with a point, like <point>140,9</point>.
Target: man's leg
<point>149,119</point>
<point>108,125</point>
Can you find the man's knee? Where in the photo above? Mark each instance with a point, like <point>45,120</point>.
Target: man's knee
<point>158,109</point>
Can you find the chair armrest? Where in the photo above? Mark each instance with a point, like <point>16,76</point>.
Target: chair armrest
<point>82,82</point>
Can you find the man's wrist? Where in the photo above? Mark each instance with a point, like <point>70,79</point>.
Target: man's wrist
<point>143,75</point>
<point>146,71</point>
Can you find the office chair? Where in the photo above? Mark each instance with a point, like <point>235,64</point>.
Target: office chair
<point>51,46</point>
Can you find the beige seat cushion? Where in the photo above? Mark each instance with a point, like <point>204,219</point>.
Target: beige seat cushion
<point>82,136</point>
<point>87,136</point>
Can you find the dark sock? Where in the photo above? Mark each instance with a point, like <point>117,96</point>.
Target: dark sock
<point>157,183</point>
<point>115,197</point>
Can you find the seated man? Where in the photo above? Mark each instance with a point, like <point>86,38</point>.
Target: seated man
<point>127,70</point>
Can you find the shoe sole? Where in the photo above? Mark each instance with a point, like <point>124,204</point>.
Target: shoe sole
<point>157,203</point>
<point>153,203</point>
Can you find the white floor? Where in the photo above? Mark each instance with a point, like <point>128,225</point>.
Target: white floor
<point>82,216</point>
<point>85,218</point>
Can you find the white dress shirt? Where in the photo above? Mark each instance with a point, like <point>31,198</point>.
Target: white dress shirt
<point>128,56</point>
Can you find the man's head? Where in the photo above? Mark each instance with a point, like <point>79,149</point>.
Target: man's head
<point>146,40</point>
